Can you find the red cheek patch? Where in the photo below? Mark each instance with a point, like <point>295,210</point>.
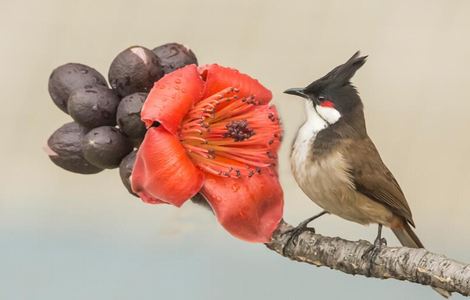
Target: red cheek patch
<point>327,103</point>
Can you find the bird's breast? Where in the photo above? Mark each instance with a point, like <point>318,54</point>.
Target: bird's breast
<point>327,181</point>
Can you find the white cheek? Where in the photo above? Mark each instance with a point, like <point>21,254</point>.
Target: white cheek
<point>329,114</point>
<point>315,123</point>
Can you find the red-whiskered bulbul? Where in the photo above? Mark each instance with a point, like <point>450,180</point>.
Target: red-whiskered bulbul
<point>336,164</point>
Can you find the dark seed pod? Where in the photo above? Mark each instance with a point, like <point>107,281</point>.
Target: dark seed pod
<point>134,70</point>
<point>69,77</point>
<point>136,142</point>
<point>174,56</point>
<point>128,115</point>
<point>125,170</point>
<point>105,147</point>
<point>94,106</point>
<point>65,149</point>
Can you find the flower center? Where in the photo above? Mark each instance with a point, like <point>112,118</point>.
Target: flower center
<point>231,136</point>
<point>239,130</point>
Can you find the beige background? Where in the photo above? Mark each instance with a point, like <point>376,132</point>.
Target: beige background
<point>68,236</point>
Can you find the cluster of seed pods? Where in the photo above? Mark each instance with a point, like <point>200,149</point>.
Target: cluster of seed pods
<point>107,129</point>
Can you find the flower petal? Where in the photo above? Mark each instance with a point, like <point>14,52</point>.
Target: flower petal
<point>149,199</point>
<point>248,208</point>
<point>171,98</point>
<point>218,78</point>
<point>163,171</point>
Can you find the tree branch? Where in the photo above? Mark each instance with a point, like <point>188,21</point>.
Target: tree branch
<point>401,263</point>
<point>414,265</point>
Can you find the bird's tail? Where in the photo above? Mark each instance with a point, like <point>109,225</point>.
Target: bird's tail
<point>409,239</point>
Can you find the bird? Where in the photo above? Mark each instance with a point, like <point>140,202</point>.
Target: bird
<point>336,164</point>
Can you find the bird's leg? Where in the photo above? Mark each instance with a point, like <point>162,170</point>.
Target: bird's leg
<point>374,249</point>
<point>296,231</point>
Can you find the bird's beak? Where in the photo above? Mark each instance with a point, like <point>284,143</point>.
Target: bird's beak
<point>297,92</point>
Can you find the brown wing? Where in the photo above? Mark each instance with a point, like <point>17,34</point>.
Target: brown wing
<point>373,179</point>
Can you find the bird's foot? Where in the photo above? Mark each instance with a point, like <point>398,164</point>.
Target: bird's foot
<point>373,250</point>
<point>375,247</point>
<point>296,231</point>
<point>294,234</point>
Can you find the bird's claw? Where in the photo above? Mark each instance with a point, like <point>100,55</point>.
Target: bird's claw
<point>373,250</point>
<point>302,227</point>
<point>294,234</point>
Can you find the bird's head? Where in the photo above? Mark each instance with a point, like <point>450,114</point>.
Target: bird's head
<point>333,96</point>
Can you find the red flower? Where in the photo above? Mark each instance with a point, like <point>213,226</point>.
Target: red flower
<point>218,136</point>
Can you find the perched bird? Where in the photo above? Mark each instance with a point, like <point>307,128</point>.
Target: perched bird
<point>336,164</point>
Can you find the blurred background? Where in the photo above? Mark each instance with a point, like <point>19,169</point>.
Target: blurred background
<point>70,236</point>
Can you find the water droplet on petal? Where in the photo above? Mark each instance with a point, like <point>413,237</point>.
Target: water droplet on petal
<point>235,187</point>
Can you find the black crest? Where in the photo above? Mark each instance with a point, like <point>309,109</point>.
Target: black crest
<point>339,76</point>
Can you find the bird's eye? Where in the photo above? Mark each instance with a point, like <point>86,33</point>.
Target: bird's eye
<point>325,102</point>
